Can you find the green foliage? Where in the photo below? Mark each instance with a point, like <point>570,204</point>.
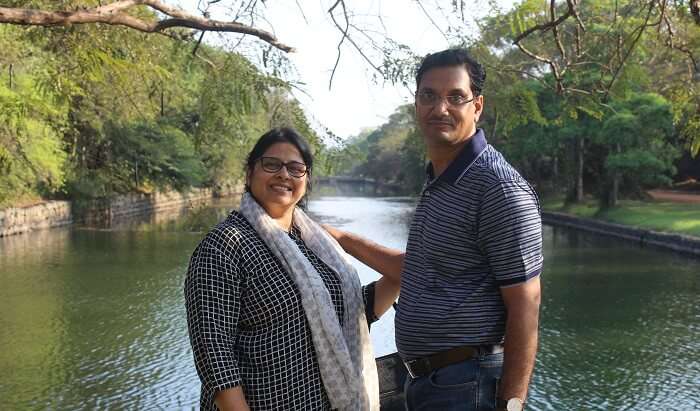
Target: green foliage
<point>31,156</point>
<point>92,111</point>
<point>392,153</point>
<point>640,141</point>
<point>154,154</point>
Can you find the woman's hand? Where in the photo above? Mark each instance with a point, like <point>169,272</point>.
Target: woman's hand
<point>232,399</point>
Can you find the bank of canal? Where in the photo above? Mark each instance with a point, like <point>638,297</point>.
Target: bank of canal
<point>95,318</point>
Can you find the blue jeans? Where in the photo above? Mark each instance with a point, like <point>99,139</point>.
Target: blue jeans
<point>468,386</point>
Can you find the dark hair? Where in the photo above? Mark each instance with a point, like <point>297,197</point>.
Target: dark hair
<point>454,57</point>
<point>281,135</point>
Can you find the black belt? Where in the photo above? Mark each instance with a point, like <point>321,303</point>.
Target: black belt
<point>424,366</point>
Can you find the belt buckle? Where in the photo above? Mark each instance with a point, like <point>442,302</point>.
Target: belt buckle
<point>410,363</point>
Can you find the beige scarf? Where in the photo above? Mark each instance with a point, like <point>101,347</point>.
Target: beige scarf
<point>344,354</point>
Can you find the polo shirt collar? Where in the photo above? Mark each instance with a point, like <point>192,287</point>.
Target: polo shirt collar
<point>470,152</point>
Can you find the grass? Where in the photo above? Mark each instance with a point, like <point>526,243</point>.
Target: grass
<point>681,218</point>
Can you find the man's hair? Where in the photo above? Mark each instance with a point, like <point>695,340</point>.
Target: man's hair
<point>451,58</point>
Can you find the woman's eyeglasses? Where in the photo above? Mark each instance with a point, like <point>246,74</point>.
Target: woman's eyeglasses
<point>274,164</point>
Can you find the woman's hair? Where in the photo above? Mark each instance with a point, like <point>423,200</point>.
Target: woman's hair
<point>281,135</point>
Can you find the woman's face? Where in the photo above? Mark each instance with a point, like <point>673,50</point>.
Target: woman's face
<point>278,191</point>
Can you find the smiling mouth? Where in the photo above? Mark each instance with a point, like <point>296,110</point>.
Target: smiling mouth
<point>281,188</point>
<point>440,123</point>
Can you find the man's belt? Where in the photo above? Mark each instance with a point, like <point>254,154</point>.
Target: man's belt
<point>424,366</point>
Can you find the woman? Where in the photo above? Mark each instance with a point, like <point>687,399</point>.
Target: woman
<point>276,314</point>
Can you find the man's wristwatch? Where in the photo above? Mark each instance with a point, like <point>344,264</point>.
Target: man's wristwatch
<point>513,404</point>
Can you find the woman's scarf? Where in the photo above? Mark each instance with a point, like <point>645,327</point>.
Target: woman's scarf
<point>344,354</point>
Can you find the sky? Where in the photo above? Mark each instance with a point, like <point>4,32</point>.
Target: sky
<point>356,100</point>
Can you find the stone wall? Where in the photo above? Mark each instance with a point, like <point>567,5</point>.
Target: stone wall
<point>103,212</point>
<point>46,215</point>
<point>676,242</point>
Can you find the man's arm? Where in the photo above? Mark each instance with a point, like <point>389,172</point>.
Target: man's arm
<point>522,303</point>
<point>387,261</point>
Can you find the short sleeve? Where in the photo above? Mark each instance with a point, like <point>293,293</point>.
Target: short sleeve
<point>368,297</point>
<point>510,232</point>
<point>212,300</point>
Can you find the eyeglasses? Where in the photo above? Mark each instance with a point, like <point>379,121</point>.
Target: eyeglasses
<point>274,164</point>
<point>428,98</point>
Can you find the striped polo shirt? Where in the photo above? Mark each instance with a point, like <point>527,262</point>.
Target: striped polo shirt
<point>476,228</point>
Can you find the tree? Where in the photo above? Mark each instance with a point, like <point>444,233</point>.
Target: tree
<point>640,145</point>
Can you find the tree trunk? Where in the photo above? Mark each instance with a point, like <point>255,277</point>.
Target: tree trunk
<point>612,201</point>
<point>12,75</point>
<point>578,195</point>
<point>495,125</point>
<point>615,193</point>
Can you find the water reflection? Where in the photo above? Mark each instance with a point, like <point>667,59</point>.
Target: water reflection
<point>95,318</point>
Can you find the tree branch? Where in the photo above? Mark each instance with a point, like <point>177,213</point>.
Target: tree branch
<point>347,36</point>
<point>544,26</point>
<point>555,32</point>
<point>553,65</point>
<point>631,48</point>
<point>114,14</point>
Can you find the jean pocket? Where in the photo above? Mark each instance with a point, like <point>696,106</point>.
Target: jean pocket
<point>492,361</point>
<point>462,376</point>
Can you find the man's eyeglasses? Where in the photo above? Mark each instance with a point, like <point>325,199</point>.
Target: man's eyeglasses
<point>274,164</point>
<point>428,98</point>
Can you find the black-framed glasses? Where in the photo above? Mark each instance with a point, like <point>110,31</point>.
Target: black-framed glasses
<point>274,164</point>
<point>428,98</point>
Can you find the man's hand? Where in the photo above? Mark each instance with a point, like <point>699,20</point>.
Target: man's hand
<point>334,232</point>
<point>386,261</point>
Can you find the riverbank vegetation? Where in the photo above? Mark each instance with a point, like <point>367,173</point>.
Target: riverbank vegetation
<point>93,111</point>
<point>662,216</point>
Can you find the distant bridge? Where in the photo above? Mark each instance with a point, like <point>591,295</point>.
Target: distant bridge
<point>360,184</point>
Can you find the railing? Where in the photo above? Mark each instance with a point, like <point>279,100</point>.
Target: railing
<point>392,375</point>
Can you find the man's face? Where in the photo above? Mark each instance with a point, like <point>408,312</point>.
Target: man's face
<point>444,123</point>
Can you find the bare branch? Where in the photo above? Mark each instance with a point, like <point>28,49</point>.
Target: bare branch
<point>342,39</point>
<point>553,65</point>
<point>640,31</point>
<point>680,47</point>
<point>431,20</point>
<point>574,11</point>
<point>543,27</point>
<point>347,36</point>
<point>114,14</point>
<point>555,31</point>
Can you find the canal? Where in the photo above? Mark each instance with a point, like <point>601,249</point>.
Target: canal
<point>94,319</point>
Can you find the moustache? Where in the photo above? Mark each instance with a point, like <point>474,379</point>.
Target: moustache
<point>440,120</point>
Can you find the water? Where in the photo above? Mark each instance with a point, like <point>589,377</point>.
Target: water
<point>94,319</point>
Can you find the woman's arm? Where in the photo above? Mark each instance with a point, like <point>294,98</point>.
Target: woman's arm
<point>212,299</point>
<point>386,290</point>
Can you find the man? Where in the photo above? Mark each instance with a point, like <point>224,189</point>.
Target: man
<point>467,319</point>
